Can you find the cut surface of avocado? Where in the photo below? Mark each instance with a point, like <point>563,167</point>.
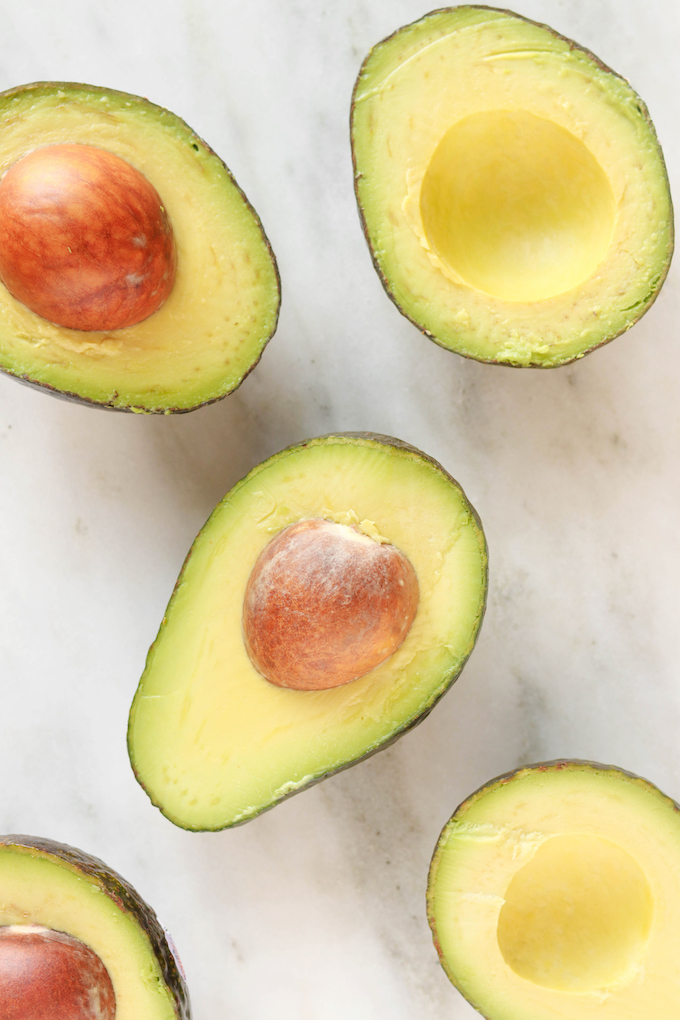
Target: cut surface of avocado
<point>554,892</point>
<point>44,884</point>
<point>512,188</point>
<point>209,333</point>
<point>214,743</point>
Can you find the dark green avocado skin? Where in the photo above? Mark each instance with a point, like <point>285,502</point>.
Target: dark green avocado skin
<point>125,898</point>
<point>398,444</point>
<point>74,398</point>
<point>556,765</point>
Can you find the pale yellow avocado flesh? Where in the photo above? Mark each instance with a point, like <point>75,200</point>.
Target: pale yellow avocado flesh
<point>554,894</point>
<point>525,229</point>
<point>38,890</point>
<point>512,188</point>
<point>224,305</point>
<point>212,742</point>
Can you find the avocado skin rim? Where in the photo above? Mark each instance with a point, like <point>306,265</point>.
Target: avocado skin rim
<point>382,440</point>
<point>126,899</point>
<point>555,765</point>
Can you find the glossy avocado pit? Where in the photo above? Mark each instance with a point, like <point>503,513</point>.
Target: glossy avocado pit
<point>325,604</point>
<point>85,241</point>
<point>49,974</point>
<point>135,184</point>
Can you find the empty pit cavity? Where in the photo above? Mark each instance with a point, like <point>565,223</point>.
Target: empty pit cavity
<point>577,917</point>
<point>516,206</point>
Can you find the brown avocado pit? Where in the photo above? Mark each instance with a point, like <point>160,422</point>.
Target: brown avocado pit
<point>200,343</point>
<point>51,975</point>
<point>326,604</point>
<point>85,241</point>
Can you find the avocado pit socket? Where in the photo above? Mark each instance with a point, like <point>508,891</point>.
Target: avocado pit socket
<point>577,916</point>
<point>516,206</point>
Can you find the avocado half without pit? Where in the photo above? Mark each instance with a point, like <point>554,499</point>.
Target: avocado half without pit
<point>78,943</point>
<point>512,189</point>
<point>554,891</point>
<point>133,272</point>
<point>331,599</point>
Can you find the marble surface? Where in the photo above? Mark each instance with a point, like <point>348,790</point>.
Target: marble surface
<point>315,911</point>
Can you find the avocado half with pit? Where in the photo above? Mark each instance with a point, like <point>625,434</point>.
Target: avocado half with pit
<point>512,189</point>
<point>331,599</point>
<point>134,273</point>
<point>554,891</point>
<point>77,941</point>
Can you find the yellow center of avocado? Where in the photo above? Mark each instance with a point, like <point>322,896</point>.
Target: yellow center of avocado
<point>516,206</point>
<point>577,916</point>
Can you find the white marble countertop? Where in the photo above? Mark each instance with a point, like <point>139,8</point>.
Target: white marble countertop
<point>315,911</point>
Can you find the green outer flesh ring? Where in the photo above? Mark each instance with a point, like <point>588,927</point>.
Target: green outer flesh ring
<point>125,898</point>
<point>147,104</point>
<point>644,112</point>
<point>557,765</point>
<point>364,437</point>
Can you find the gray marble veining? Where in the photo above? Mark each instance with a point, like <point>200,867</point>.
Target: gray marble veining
<point>316,910</point>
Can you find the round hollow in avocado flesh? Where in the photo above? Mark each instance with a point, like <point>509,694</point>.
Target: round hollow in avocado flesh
<point>215,319</point>
<point>554,890</point>
<point>511,187</point>
<point>212,741</point>
<point>83,937</point>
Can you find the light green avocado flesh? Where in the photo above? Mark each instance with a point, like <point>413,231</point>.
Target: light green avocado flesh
<point>512,188</point>
<point>554,894</point>
<point>224,305</point>
<point>37,888</point>
<point>213,742</point>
